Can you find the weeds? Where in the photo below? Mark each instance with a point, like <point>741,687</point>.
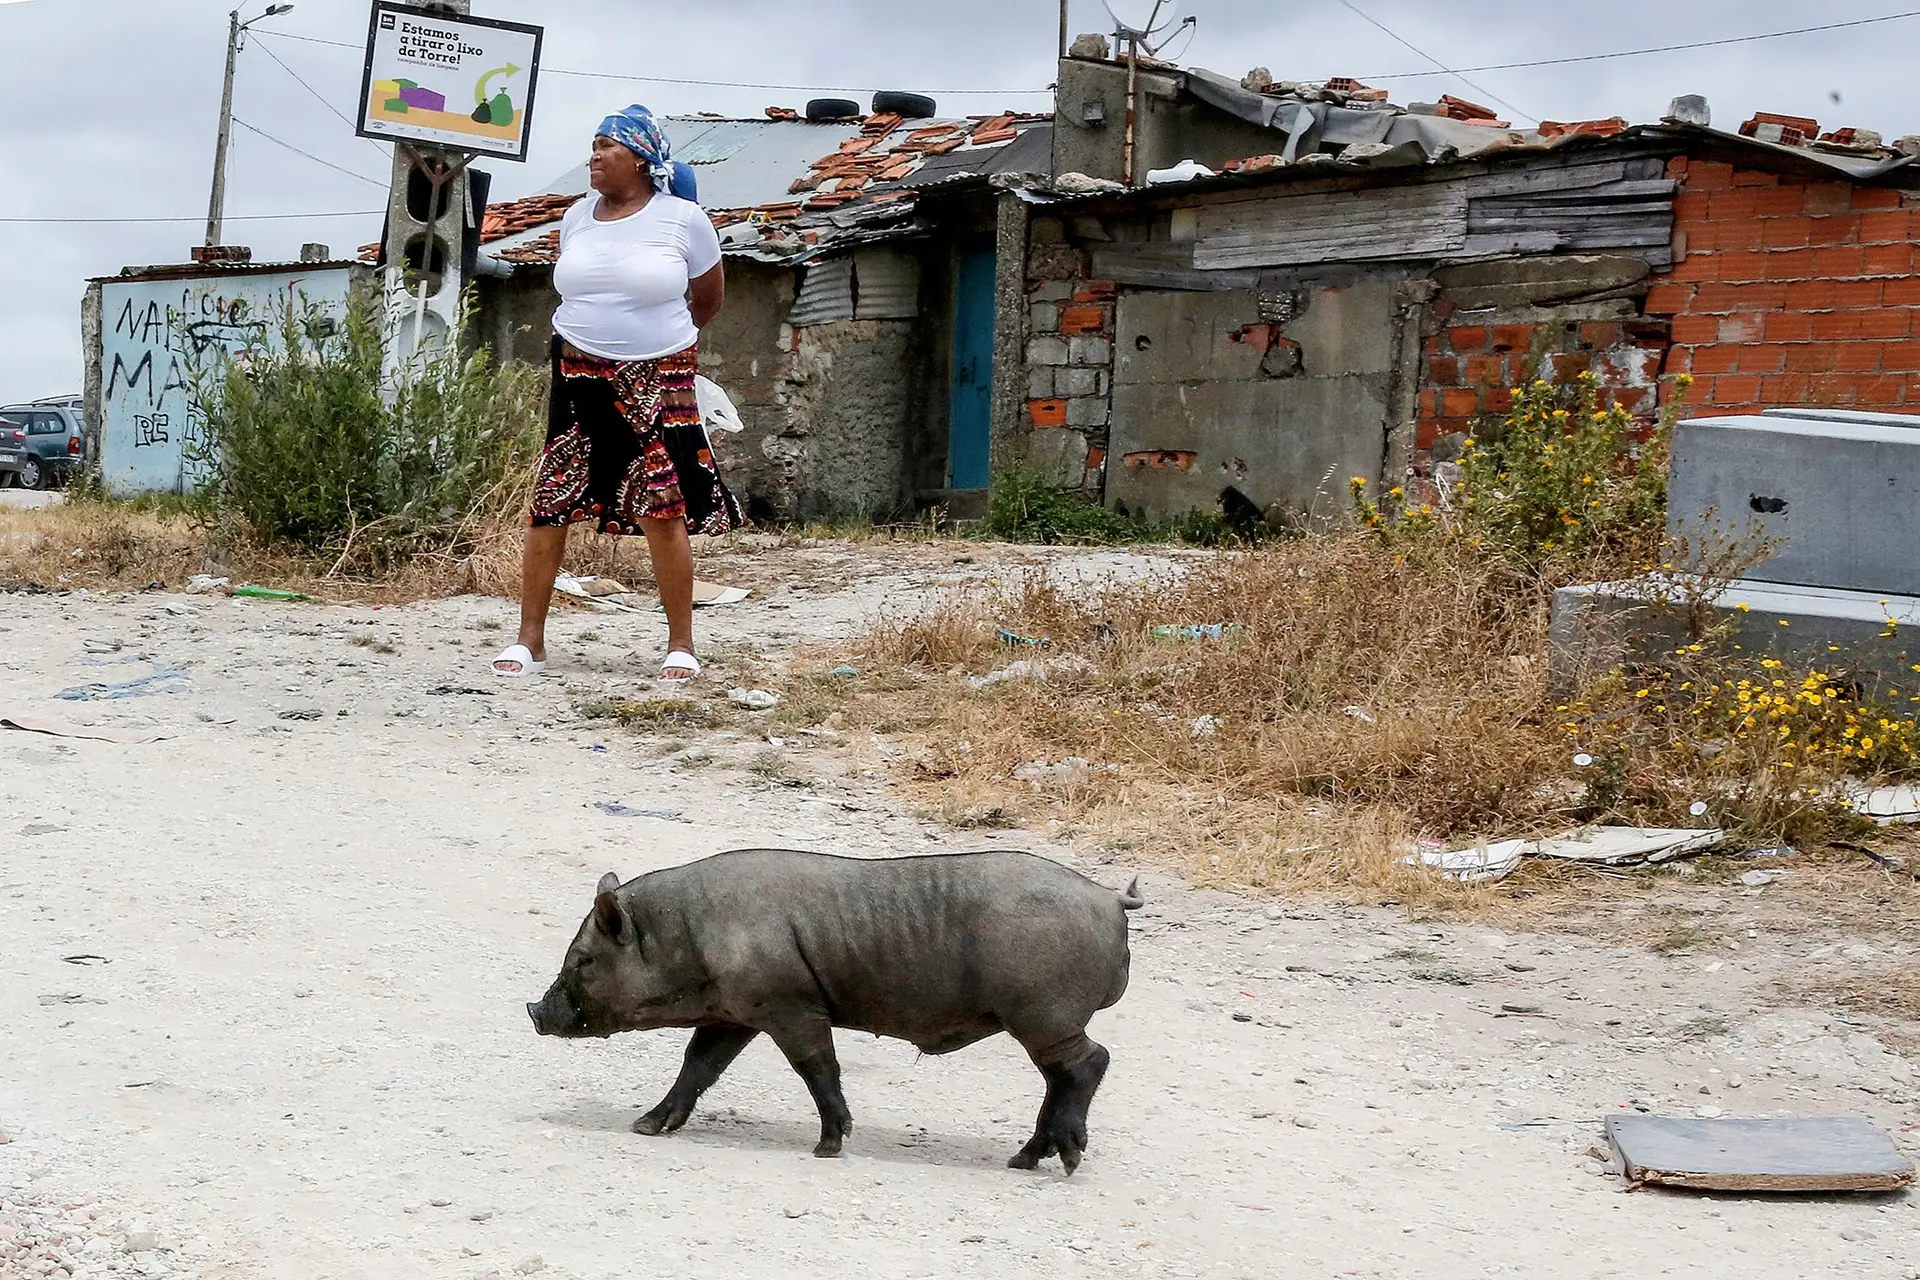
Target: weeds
<point>652,715</point>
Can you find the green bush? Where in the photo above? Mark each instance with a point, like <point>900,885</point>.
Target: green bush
<point>309,446</point>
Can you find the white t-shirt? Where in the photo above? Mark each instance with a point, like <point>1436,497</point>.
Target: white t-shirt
<point>623,284</point>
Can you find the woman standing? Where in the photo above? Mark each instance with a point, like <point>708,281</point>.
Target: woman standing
<point>639,276</point>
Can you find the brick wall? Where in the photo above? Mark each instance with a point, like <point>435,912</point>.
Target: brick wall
<point>1792,292</point>
<point>1069,360</point>
<point>1474,362</point>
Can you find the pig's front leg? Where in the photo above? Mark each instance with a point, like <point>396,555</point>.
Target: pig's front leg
<point>710,1052</point>
<point>809,1048</point>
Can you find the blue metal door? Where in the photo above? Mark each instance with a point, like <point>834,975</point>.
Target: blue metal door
<point>969,410</point>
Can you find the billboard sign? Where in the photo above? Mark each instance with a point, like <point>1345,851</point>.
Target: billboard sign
<point>458,83</point>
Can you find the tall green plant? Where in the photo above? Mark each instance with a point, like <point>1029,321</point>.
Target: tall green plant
<point>305,444</point>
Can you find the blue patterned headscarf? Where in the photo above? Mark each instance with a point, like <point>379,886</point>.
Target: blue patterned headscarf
<point>636,130</point>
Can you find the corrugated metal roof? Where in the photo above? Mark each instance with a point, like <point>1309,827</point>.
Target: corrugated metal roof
<point>886,284</point>
<point>741,164</point>
<point>825,295</point>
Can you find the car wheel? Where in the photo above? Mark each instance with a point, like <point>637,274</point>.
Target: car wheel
<point>33,476</point>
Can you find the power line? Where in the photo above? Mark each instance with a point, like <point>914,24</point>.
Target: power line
<point>317,95</point>
<point>705,84</point>
<point>1398,39</point>
<point>372,182</point>
<point>231,217</point>
<point>1667,48</point>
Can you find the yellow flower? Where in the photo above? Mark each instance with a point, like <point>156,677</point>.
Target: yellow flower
<point>1743,608</point>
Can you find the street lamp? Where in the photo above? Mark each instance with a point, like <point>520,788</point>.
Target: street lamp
<point>217,203</point>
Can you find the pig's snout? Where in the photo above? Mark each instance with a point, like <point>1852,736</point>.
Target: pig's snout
<point>554,1014</point>
<point>533,1011</point>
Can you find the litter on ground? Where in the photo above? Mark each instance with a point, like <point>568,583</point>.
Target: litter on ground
<point>753,699</point>
<point>1836,1153</point>
<point>62,729</point>
<point>1596,846</point>
<point>162,679</point>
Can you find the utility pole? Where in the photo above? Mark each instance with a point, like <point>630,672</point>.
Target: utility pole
<point>217,202</point>
<point>1064,5</point>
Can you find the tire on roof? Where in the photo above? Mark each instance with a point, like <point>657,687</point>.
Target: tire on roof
<point>832,109</point>
<point>910,106</point>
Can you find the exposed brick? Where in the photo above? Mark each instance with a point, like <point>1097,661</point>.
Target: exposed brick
<point>1097,291</point>
<point>1900,357</point>
<point>1709,175</point>
<point>1865,198</point>
<point>1668,298</point>
<point>1715,359</point>
<point>1048,413</point>
<point>1789,326</point>
<point>1829,197</point>
<point>1693,268</point>
<point>1881,393</point>
<point>1512,337</point>
<point>1860,357</point>
<point>1778,201</point>
<point>1691,206</point>
<point>1787,389</point>
<point>1426,434</point>
<point>1796,264</point>
<point>1434,346</point>
<point>1736,204</point>
<point>1725,298</point>
<point>1903,293</point>
<point>1630,398</point>
<point>1497,400</point>
<point>1445,370</point>
<point>1602,333</point>
<point>1692,329</point>
<point>1763,357</point>
<point>1481,371</point>
<point>1568,365</point>
<point>1752,178</point>
<point>1834,389</point>
<point>1678,360</point>
<point>1810,295</point>
<point>1429,403</point>
<point>1840,261</point>
<point>1839,229</point>
<point>1811,357</point>
<point>1859,293</point>
<point>1080,320</point>
<point>1460,402</point>
<point>1888,259</point>
<point>1886,226</point>
<point>1746,327</point>
<point>1785,233</point>
<point>1736,390</point>
<point>1468,339</point>
<point>1836,326</point>
<point>1677,167</point>
<point>1886,324</point>
<point>1044,317</point>
<point>1739,266</point>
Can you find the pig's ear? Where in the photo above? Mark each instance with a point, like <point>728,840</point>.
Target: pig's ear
<point>608,883</point>
<point>610,917</point>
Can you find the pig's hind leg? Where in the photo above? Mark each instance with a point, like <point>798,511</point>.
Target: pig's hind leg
<point>710,1052</point>
<point>808,1045</point>
<point>1073,1067</point>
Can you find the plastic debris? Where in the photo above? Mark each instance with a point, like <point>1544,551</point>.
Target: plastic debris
<point>1887,806</point>
<point>1757,879</point>
<point>163,679</point>
<point>1482,861</point>
<point>1597,846</point>
<point>1073,771</point>
<point>269,593</point>
<point>201,584</point>
<point>844,672</point>
<point>614,809</point>
<point>1205,726</point>
<point>1213,631</point>
<point>1014,640</point>
<point>753,699</point>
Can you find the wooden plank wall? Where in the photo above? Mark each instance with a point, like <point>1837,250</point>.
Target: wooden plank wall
<point>1568,207</point>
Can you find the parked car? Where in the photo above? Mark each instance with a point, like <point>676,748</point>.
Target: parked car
<point>13,451</point>
<point>53,436</point>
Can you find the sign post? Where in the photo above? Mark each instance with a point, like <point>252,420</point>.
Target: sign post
<point>444,87</point>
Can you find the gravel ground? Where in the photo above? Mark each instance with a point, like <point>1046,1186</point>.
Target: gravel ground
<point>262,987</point>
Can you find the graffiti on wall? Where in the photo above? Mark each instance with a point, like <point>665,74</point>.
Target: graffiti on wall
<point>156,335</point>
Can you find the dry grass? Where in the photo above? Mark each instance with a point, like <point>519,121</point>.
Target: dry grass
<point>1372,697</point>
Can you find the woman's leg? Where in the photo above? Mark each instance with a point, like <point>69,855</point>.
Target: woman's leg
<point>539,564</point>
<point>672,555</point>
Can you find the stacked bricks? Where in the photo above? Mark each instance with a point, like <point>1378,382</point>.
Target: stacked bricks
<point>1472,368</point>
<point>1070,326</point>
<point>1789,292</point>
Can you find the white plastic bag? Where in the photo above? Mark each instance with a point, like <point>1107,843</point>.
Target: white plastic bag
<point>716,411</point>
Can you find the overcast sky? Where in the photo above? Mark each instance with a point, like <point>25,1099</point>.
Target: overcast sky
<point>111,105</point>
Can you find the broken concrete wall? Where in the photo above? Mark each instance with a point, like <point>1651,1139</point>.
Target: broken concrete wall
<point>1091,122</point>
<point>1269,398</point>
<point>850,394</point>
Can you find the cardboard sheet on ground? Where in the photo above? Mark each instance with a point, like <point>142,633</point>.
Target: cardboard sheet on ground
<point>62,729</point>
<point>1838,1153</point>
<point>1598,846</point>
<point>605,593</point>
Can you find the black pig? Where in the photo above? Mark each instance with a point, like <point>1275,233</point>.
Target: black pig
<point>940,951</point>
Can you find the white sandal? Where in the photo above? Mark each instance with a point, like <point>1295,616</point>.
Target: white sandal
<point>679,660</point>
<point>517,653</point>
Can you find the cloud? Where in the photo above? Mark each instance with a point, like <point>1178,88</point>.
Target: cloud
<point>112,103</point>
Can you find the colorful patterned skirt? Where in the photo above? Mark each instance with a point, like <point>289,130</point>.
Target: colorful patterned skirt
<point>625,444</point>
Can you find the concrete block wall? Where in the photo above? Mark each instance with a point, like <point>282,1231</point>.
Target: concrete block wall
<point>1069,361</point>
<point>1790,292</point>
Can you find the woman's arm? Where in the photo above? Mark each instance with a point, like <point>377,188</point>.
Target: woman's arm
<point>706,294</point>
